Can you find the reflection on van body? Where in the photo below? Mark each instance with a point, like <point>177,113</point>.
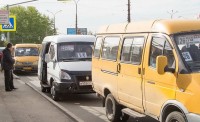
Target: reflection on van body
<point>149,68</point>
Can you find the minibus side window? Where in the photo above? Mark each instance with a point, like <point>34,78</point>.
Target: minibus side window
<point>97,47</point>
<point>132,50</point>
<point>110,48</point>
<point>160,46</point>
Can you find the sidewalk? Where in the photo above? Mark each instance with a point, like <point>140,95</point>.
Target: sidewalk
<point>26,105</point>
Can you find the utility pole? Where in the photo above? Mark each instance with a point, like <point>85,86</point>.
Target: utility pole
<point>129,11</point>
<point>76,21</point>
<point>8,33</point>
<point>54,20</point>
<point>172,13</point>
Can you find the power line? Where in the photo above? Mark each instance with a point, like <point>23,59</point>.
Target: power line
<point>172,13</point>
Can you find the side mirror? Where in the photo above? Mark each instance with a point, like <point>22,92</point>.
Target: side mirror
<point>161,63</point>
<point>47,58</point>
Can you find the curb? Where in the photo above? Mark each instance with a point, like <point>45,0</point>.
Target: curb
<point>64,110</point>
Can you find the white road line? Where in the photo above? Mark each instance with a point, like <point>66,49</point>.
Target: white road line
<point>97,111</point>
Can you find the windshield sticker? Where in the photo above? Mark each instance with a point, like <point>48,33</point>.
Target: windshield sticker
<point>27,50</point>
<point>67,48</point>
<point>189,39</point>
<point>187,56</point>
<point>81,55</point>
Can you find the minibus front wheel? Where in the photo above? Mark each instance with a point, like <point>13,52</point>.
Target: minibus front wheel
<point>175,117</point>
<point>113,110</point>
<point>54,93</point>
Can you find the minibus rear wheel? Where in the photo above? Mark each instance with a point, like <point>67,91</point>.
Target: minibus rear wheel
<point>113,110</point>
<point>175,117</point>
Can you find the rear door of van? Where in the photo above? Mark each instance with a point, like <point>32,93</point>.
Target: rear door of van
<point>108,63</point>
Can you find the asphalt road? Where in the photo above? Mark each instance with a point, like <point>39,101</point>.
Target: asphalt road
<point>87,107</point>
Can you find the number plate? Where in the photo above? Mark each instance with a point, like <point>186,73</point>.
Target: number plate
<point>85,83</point>
<point>27,68</point>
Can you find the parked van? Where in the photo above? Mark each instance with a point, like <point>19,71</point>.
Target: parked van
<point>65,64</point>
<point>26,57</point>
<point>149,68</point>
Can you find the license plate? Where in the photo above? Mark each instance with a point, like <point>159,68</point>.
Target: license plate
<point>85,83</point>
<point>27,68</point>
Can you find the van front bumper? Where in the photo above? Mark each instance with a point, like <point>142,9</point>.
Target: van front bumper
<point>193,117</point>
<point>33,68</point>
<point>72,87</point>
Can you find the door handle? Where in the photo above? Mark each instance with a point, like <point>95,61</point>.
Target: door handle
<point>151,82</point>
<point>118,68</point>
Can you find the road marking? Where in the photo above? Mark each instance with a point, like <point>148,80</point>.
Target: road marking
<point>97,111</point>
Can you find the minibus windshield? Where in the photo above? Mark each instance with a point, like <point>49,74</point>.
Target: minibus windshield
<point>73,51</point>
<point>26,51</point>
<point>189,47</point>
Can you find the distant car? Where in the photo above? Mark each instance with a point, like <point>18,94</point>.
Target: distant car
<point>1,49</point>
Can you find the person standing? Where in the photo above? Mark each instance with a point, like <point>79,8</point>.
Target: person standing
<point>7,63</point>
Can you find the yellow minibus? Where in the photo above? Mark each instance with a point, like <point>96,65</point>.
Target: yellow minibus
<point>149,68</point>
<point>26,57</point>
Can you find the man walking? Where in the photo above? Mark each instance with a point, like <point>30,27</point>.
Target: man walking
<point>7,65</point>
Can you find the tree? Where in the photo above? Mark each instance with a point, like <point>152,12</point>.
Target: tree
<point>32,26</point>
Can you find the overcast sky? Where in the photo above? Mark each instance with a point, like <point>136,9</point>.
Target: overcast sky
<point>94,13</point>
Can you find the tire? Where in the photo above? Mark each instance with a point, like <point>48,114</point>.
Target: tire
<point>54,93</point>
<point>113,110</point>
<point>43,89</point>
<point>175,117</point>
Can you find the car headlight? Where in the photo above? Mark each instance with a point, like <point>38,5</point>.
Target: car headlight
<point>64,75</point>
<point>18,63</point>
<point>35,63</point>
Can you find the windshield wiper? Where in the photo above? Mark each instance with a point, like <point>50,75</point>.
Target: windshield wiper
<point>75,59</point>
<point>85,59</point>
<point>68,59</point>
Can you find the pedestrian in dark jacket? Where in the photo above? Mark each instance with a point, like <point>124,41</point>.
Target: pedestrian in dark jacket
<point>7,65</point>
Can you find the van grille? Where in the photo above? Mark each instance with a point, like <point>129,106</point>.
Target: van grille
<point>84,78</point>
<point>27,63</point>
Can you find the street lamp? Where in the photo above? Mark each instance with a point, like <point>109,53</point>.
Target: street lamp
<point>8,33</point>
<point>54,19</point>
<point>76,25</point>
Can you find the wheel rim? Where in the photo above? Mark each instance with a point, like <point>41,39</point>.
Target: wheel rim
<point>110,109</point>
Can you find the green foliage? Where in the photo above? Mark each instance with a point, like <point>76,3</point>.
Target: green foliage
<point>32,26</point>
